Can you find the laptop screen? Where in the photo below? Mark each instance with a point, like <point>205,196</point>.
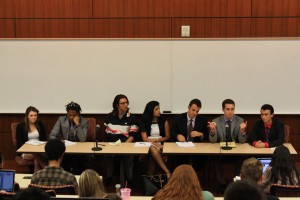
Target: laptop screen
<point>7,180</point>
<point>265,162</point>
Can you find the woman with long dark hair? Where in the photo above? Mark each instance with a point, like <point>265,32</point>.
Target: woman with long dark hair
<point>183,185</point>
<point>29,130</point>
<point>282,170</point>
<point>155,129</point>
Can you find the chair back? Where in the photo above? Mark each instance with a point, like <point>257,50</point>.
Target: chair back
<point>286,133</point>
<point>285,190</point>
<point>91,133</point>
<point>61,189</point>
<point>13,127</point>
<point>6,195</point>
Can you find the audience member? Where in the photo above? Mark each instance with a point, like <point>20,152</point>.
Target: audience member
<point>269,131</point>
<point>282,170</point>
<point>183,185</point>
<point>90,185</point>
<point>113,196</point>
<point>32,194</point>
<point>228,127</point>
<point>252,169</point>
<point>30,130</point>
<point>155,129</point>
<point>53,174</point>
<point>245,190</point>
<point>120,125</point>
<point>72,127</point>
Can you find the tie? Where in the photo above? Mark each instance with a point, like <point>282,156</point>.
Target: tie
<point>228,131</point>
<point>189,130</point>
<point>267,131</point>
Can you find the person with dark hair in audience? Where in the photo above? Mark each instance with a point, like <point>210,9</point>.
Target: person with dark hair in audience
<point>190,127</point>
<point>113,196</point>
<point>53,174</point>
<point>269,131</point>
<point>72,127</point>
<point>183,185</point>
<point>32,194</point>
<point>155,129</point>
<point>244,190</point>
<point>120,125</point>
<point>252,169</point>
<point>282,170</point>
<point>90,185</point>
<point>218,133</point>
<point>30,130</point>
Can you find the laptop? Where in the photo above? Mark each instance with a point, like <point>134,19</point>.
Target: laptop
<point>265,162</point>
<point>7,180</point>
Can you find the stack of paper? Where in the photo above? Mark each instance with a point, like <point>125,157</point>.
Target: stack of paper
<point>185,144</point>
<point>35,142</point>
<point>69,143</point>
<point>142,144</point>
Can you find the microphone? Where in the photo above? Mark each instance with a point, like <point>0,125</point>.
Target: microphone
<point>227,131</point>
<point>96,148</point>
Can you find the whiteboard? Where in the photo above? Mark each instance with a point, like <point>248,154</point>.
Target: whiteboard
<point>48,74</point>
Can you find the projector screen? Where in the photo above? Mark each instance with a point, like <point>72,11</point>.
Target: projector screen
<point>48,74</point>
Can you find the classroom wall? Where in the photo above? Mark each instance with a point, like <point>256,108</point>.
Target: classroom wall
<point>148,18</point>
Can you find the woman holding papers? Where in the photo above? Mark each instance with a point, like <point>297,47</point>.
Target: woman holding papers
<point>31,130</point>
<point>155,129</point>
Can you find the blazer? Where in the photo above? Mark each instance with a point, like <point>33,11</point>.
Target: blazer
<point>180,127</point>
<point>22,133</point>
<point>276,133</point>
<point>62,129</point>
<point>220,134</point>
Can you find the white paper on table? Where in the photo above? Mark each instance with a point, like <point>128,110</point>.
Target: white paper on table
<point>142,144</point>
<point>35,142</point>
<point>185,144</point>
<point>69,143</point>
<point>117,143</point>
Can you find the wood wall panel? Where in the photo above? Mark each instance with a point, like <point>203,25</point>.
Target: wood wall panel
<point>6,9</point>
<point>213,27</point>
<point>276,27</point>
<point>132,28</point>
<point>275,8</point>
<point>131,8</point>
<point>210,8</point>
<point>53,8</point>
<point>54,28</point>
<point>7,28</point>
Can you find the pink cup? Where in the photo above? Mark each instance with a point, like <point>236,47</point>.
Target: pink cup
<point>125,193</point>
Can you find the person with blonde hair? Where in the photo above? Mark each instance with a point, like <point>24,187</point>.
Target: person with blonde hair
<point>183,185</point>
<point>90,185</point>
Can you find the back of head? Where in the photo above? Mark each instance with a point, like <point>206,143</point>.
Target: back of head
<point>282,165</point>
<point>113,196</point>
<point>183,184</point>
<point>32,193</point>
<point>90,184</point>
<point>244,190</point>
<point>251,169</point>
<point>54,149</point>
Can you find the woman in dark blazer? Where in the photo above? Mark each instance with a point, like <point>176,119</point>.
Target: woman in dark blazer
<point>29,130</point>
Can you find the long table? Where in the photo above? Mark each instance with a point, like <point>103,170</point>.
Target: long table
<point>86,148</point>
<point>171,148</point>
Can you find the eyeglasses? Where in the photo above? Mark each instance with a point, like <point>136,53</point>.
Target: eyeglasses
<point>123,103</point>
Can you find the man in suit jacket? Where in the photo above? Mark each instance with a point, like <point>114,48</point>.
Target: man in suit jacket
<point>182,123</point>
<point>218,133</point>
<point>190,126</point>
<point>269,131</point>
<point>72,127</point>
